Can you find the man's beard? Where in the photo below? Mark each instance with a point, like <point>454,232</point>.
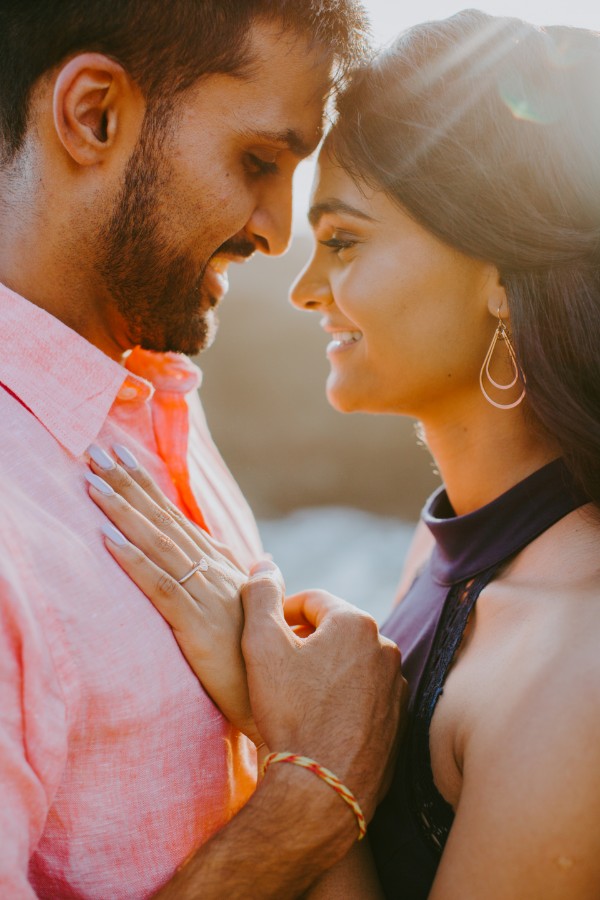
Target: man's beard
<point>156,290</point>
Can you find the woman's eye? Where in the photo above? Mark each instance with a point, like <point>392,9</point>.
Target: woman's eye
<point>338,244</point>
<point>258,166</point>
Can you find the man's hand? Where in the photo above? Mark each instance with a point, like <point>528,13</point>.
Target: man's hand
<point>335,695</point>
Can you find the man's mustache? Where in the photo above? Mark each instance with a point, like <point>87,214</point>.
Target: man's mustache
<point>237,246</point>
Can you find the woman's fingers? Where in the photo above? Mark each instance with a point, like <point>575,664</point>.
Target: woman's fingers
<point>174,556</point>
<point>169,548</point>
<point>172,600</point>
<point>159,512</point>
<point>132,482</point>
<point>137,472</point>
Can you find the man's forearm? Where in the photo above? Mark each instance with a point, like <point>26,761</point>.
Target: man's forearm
<point>291,831</point>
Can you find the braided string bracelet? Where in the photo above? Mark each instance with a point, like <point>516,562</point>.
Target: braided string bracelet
<point>326,776</point>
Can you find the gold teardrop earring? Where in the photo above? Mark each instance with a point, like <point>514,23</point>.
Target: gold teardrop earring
<point>501,334</point>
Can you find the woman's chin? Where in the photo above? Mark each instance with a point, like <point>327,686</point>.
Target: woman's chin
<point>340,399</point>
<point>346,400</point>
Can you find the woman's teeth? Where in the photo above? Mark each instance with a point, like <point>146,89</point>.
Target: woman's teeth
<point>343,338</point>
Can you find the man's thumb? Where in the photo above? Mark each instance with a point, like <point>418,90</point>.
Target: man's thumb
<point>263,593</point>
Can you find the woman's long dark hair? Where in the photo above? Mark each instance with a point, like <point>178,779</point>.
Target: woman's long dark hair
<point>487,131</point>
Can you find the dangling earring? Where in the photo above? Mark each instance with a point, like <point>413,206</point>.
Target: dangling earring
<point>501,334</point>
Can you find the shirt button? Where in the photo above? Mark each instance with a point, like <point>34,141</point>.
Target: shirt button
<point>127,392</point>
<point>135,390</point>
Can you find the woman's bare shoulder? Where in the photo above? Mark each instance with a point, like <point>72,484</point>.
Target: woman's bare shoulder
<point>528,732</point>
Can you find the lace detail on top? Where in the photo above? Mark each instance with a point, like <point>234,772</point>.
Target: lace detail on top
<point>434,814</point>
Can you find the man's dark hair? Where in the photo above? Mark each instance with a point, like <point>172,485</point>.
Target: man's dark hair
<point>165,45</point>
<point>487,131</point>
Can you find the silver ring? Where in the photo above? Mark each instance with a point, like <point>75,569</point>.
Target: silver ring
<point>200,566</point>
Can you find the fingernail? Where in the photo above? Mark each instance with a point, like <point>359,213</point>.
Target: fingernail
<point>125,456</point>
<point>113,534</point>
<point>101,457</point>
<point>99,483</point>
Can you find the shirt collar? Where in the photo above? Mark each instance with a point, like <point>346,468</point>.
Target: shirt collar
<point>67,383</point>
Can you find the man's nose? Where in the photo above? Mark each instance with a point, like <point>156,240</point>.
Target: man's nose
<point>270,225</point>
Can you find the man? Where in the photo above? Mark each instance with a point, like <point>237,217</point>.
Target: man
<point>144,147</point>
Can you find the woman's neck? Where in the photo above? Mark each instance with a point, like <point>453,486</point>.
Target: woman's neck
<point>480,460</point>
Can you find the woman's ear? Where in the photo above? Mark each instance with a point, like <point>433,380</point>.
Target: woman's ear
<point>95,103</point>
<point>496,293</point>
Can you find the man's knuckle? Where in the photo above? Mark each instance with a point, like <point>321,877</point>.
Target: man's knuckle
<point>364,623</point>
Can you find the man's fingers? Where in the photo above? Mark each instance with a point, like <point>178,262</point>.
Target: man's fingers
<point>312,608</point>
<point>262,599</point>
<point>293,611</point>
<point>268,568</point>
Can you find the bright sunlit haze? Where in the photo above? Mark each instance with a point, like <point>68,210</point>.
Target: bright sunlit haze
<point>390,18</point>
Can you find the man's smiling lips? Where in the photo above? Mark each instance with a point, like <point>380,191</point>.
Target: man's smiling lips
<point>216,281</point>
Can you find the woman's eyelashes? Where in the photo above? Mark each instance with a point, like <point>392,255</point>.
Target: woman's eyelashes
<point>338,244</point>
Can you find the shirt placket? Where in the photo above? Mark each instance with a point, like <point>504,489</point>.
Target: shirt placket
<point>173,377</point>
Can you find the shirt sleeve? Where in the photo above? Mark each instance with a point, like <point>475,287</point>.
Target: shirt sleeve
<point>33,729</point>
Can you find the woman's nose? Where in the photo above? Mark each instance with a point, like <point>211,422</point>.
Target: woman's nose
<point>310,291</point>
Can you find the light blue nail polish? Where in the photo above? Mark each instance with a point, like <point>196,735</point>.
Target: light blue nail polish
<point>101,457</point>
<point>125,456</point>
<point>114,535</point>
<point>99,483</point>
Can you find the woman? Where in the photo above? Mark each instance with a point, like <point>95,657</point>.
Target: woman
<point>457,269</point>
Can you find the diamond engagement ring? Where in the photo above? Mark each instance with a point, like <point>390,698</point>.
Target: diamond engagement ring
<point>201,566</point>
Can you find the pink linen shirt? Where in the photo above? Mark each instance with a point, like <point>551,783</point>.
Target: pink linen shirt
<point>114,763</point>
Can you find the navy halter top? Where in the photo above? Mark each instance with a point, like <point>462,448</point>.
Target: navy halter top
<point>411,826</point>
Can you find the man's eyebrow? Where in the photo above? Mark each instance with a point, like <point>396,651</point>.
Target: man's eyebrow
<point>318,210</point>
<point>288,138</point>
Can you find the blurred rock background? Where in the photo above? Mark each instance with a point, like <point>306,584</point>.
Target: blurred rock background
<point>336,495</point>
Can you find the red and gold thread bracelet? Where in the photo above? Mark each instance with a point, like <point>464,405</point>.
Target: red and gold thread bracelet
<point>326,776</point>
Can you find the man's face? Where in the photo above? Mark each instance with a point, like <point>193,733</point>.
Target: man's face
<point>210,187</point>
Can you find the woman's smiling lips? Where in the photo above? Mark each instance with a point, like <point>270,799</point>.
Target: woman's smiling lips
<point>341,339</point>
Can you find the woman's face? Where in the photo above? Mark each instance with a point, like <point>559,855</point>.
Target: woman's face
<point>407,315</point>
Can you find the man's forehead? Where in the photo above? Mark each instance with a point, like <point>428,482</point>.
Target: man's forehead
<point>293,80</point>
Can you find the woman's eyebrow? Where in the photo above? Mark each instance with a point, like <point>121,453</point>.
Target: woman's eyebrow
<point>318,210</point>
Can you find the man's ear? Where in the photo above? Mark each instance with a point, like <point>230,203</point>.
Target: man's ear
<point>95,103</point>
